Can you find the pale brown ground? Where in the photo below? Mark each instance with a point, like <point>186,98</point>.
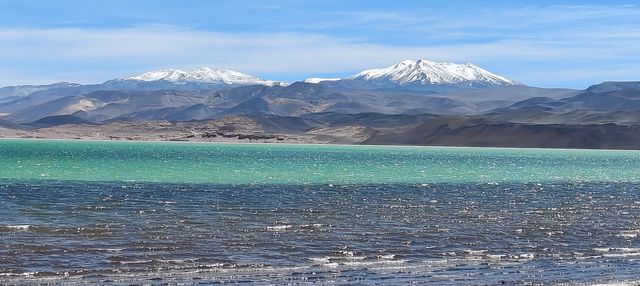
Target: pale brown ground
<point>228,129</point>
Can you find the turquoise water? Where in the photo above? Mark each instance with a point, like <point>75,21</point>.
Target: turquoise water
<point>157,213</point>
<point>300,164</point>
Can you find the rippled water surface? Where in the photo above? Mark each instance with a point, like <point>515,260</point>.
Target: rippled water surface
<point>327,214</point>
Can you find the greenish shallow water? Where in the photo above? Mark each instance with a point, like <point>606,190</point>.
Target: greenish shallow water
<point>174,162</point>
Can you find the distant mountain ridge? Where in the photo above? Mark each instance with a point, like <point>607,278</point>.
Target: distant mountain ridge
<point>13,92</point>
<point>418,89</point>
<point>421,74</point>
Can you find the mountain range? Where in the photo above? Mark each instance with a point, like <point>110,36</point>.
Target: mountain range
<point>407,100</point>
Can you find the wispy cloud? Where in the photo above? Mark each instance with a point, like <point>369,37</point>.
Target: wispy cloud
<point>490,17</point>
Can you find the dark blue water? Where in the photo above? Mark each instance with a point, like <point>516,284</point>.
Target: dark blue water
<point>76,232</point>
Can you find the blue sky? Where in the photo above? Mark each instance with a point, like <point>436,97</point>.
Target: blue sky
<point>540,43</point>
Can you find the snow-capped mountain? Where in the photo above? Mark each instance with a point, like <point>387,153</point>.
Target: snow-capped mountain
<point>425,72</point>
<point>404,80</point>
<point>201,75</point>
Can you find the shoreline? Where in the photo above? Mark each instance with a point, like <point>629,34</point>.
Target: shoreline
<point>435,132</point>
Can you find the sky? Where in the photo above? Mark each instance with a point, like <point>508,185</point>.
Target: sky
<point>570,44</point>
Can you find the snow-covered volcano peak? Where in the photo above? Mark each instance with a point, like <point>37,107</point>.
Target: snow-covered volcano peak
<point>434,73</point>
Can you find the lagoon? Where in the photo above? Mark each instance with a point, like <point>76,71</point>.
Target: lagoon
<point>111,213</point>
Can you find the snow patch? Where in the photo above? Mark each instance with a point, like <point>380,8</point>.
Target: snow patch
<point>319,79</point>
